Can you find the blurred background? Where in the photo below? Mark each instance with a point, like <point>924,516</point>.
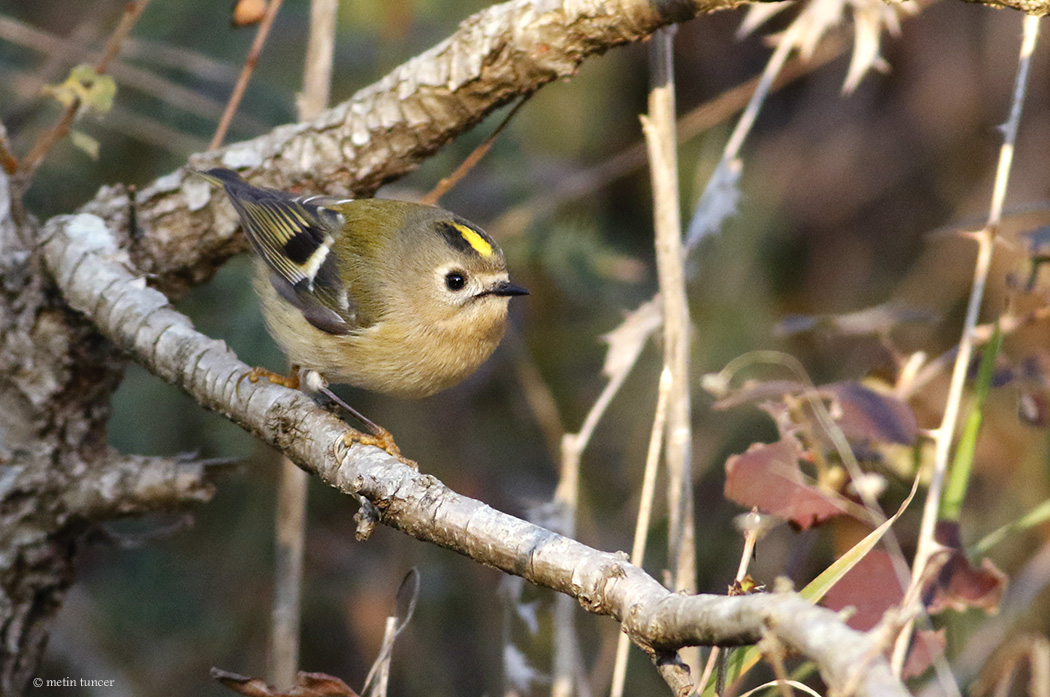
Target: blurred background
<point>848,202</point>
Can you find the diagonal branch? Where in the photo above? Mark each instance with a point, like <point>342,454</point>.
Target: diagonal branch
<point>91,270</point>
<point>390,127</point>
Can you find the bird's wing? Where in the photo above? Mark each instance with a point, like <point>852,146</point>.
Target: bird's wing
<point>294,237</point>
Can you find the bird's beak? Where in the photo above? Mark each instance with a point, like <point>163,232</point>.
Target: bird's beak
<point>507,288</point>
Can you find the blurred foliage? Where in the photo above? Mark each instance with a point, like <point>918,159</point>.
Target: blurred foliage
<point>840,198</point>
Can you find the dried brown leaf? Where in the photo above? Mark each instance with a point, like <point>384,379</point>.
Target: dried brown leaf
<point>628,339</point>
<point>958,584</point>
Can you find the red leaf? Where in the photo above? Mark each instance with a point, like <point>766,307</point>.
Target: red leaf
<point>767,477</point>
<point>871,587</point>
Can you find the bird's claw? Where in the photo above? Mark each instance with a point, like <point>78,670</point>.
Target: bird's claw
<point>255,374</point>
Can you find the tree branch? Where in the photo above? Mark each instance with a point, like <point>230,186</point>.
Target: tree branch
<point>89,267</point>
<point>135,484</point>
<point>387,129</point>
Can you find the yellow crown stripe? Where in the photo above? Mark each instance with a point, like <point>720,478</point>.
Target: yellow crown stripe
<point>479,243</point>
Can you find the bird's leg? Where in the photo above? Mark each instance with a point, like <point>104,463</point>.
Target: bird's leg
<point>314,382</point>
<point>380,437</point>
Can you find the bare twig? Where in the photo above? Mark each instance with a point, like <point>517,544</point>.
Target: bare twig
<point>246,73</point>
<point>288,575</point>
<point>751,534</point>
<point>443,186</point>
<point>645,509</point>
<point>136,484</point>
<point>50,137</point>
<point>659,129</point>
<point>729,164</point>
<point>8,161</point>
<point>290,542</point>
<point>945,434</point>
<point>625,344</point>
<point>1008,324</point>
<point>379,674</point>
<point>320,51</point>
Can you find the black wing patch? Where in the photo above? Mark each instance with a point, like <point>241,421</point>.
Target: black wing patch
<point>294,237</point>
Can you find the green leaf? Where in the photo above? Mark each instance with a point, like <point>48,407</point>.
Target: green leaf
<point>962,465</point>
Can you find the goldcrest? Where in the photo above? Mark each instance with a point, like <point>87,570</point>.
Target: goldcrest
<point>394,297</point>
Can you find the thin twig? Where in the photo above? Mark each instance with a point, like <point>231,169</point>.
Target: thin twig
<point>751,533</point>
<point>659,129</point>
<point>246,73</point>
<point>288,575</point>
<point>699,120</point>
<point>443,186</point>
<point>292,494</point>
<point>645,508</point>
<point>729,161</point>
<point>945,433</point>
<point>51,136</point>
<point>378,677</point>
<point>320,51</point>
<point>8,161</point>
<point>621,358</point>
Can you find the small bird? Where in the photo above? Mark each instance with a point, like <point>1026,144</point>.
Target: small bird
<point>394,297</point>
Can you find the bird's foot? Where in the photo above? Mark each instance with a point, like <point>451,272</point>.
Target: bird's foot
<point>255,374</point>
<point>382,439</point>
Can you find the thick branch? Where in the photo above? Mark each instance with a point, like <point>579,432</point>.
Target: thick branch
<point>90,269</point>
<point>388,128</point>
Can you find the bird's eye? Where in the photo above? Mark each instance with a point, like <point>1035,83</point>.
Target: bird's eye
<point>455,280</point>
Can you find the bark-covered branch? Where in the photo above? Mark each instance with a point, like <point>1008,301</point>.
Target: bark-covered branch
<point>84,258</point>
<point>1039,8</point>
<point>384,130</point>
<point>136,484</point>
